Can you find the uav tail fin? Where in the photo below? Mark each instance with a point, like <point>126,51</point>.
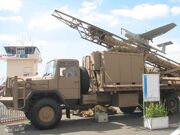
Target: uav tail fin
<point>163,45</point>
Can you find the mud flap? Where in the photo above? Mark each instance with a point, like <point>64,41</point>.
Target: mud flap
<point>67,113</point>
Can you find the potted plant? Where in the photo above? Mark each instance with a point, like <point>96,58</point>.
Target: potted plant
<point>156,116</point>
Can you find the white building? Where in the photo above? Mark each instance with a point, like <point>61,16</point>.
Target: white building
<point>21,60</point>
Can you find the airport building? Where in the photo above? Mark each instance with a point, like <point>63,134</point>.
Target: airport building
<point>21,60</point>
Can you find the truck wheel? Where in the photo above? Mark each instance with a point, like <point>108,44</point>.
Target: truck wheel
<point>45,114</point>
<point>172,103</point>
<point>85,83</point>
<point>127,110</point>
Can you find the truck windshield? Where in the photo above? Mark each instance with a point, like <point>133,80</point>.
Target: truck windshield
<point>50,68</point>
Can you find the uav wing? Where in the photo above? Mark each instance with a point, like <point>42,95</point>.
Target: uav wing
<point>158,31</point>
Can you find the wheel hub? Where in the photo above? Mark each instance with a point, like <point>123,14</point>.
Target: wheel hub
<point>46,114</point>
<point>172,105</point>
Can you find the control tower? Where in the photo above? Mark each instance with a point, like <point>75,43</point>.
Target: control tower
<point>21,60</point>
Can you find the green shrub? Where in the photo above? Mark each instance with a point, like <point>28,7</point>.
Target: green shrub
<point>155,110</point>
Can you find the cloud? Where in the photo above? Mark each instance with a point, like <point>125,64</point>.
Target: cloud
<point>7,38</point>
<point>175,11</point>
<point>173,51</point>
<point>175,1</point>
<point>88,7</point>
<point>143,11</point>
<point>97,17</point>
<point>46,21</point>
<point>89,13</point>
<point>10,5</point>
<point>11,18</point>
<point>64,9</point>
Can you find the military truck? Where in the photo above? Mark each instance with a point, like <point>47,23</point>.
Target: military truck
<point>111,78</point>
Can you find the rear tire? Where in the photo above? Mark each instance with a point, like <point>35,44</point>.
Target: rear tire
<point>127,110</point>
<point>172,103</point>
<point>45,114</point>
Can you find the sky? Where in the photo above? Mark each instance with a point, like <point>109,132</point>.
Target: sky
<point>31,21</point>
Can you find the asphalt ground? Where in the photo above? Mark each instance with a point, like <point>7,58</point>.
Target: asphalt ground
<point>118,124</point>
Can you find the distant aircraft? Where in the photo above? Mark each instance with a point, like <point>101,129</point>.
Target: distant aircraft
<point>144,38</point>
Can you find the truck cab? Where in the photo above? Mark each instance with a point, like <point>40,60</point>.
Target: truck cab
<point>64,76</point>
<point>42,99</point>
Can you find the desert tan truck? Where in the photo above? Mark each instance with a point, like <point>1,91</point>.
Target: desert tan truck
<point>113,78</point>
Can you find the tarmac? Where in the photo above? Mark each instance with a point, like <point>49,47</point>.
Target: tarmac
<point>119,124</point>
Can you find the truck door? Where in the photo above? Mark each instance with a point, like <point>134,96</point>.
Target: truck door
<point>69,79</point>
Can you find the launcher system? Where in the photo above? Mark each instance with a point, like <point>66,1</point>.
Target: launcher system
<point>113,42</point>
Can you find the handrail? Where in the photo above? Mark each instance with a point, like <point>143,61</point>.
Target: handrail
<point>12,83</point>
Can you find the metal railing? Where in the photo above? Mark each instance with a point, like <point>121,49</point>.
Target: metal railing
<point>9,115</point>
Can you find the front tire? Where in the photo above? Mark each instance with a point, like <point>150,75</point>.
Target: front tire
<point>45,114</point>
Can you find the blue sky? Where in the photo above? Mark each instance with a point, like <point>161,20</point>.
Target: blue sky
<point>32,21</point>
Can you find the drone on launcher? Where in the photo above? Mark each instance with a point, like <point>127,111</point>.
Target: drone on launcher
<point>144,38</point>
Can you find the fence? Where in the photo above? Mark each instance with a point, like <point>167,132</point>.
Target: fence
<point>8,115</point>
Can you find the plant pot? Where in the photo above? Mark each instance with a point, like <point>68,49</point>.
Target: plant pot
<point>156,123</point>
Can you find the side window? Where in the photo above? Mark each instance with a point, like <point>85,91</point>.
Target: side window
<point>68,70</point>
<point>62,71</point>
